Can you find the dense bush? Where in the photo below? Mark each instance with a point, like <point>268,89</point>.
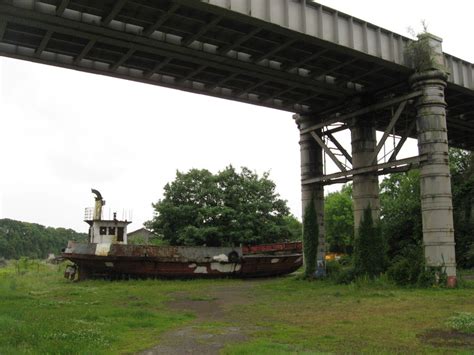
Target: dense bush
<point>369,251</point>
<point>407,267</point>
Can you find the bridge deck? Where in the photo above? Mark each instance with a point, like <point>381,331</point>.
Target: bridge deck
<point>294,55</point>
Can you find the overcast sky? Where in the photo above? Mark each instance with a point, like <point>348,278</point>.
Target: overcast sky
<point>63,132</point>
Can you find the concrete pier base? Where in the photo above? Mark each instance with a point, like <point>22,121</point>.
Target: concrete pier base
<point>435,179</point>
<point>365,190</point>
<point>312,166</point>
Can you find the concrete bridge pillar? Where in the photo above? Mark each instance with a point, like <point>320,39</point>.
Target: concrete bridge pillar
<point>312,166</point>
<point>435,179</point>
<point>365,189</point>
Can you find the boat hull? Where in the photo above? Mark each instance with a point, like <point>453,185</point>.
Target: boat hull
<point>116,261</point>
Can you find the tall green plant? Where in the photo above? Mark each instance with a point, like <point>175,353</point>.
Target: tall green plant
<point>369,253</point>
<point>310,238</point>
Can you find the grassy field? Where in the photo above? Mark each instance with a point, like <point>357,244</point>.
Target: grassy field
<point>41,312</point>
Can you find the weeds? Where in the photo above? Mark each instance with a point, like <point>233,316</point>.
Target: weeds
<point>462,322</point>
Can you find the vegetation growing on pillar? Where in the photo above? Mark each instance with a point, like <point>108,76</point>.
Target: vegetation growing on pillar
<point>369,250</point>
<point>310,239</point>
<point>420,53</point>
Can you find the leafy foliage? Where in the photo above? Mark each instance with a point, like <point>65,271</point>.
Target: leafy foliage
<point>369,251</point>
<point>295,227</point>
<point>462,179</point>
<point>22,239</point>
<point>401,212</point>
<point>407,267</point>
<point>310,238</point>
<point>228,208</point>
<point>339,220</point>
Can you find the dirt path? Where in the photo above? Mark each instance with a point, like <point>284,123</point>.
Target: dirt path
<point>214,307</point>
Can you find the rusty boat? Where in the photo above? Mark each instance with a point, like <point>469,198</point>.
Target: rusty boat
<point>108,255</point>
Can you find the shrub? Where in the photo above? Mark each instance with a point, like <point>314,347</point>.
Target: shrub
<point>407,268</point>
<point>410,269</point>
<point>345,276</point>
<point>369,253</point>
<point>310,239</point>
<point>333,268</point>
<point>432,276</point>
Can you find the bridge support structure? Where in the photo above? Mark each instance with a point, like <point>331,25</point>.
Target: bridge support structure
<point>423,105</point>
<point>365,188</point>
<point>435,179</point>
<point>312,165</point>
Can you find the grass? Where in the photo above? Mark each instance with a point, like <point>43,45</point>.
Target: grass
<point>41,312</point>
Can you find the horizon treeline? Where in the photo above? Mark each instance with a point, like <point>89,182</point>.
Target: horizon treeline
<point>32,240</point>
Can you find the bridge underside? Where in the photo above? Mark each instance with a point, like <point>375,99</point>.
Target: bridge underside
<point>211,49</point>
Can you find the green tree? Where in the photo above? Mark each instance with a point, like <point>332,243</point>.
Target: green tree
<point>228,208</point>
<point>462,181</point>
<point>401,212</point>
<point>310,239</point>
<point>369,251</point>
<point>339,220</point>
<point>294,226</point>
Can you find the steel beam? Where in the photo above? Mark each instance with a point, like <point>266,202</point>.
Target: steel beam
<point>158,66</point>
<point>160,21</point>
<point>339,146</point>
<point>363,111</point>
<point>118,5</point>
<point>274,51</point>
<point>402,141</point>
<point>84,51</point>
<point>226,49</point>
<point>61,7</point>
<point>368,169</point>
<point>291,66</point>
<point>320,73</point>
<point>386,171</point>
<point>44,43</point>
<point>186,41</point>
<point>122,60</point>
<point>222,81</point>
<point>389,128</point>
<point>328,151</point>
<point>192,73</point>
<point>3,28</point>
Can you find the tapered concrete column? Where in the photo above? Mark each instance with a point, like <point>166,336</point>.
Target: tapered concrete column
<point>435,179</point>
<point>312,166</point>
<point>365,189</point>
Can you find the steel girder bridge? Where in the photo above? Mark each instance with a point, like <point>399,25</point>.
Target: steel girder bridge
<point>334,71</point>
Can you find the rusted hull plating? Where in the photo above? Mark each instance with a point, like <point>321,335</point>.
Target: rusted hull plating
<point>135,261</point>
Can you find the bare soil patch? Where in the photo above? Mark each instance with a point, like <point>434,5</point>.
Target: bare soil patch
<point>215,306</point>
<point>448,339</point>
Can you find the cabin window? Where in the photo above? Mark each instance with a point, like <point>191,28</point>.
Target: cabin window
<point>111,230</point>
<point>103,230</point>
<point>120,234</point>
